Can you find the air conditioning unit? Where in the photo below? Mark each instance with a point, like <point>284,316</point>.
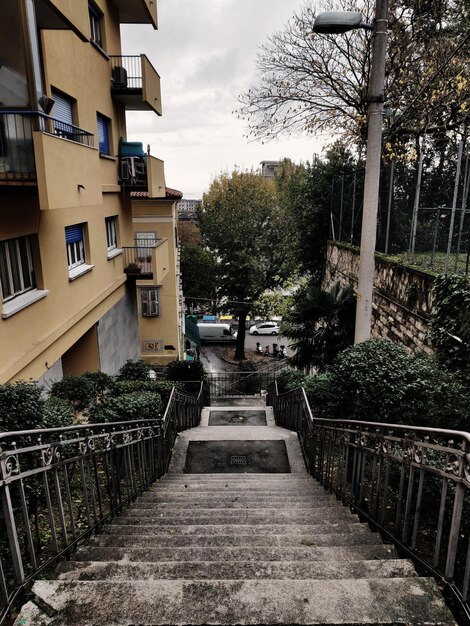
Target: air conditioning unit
<point>119,77</point>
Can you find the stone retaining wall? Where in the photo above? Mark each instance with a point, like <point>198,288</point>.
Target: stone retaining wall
<point>403,297</point>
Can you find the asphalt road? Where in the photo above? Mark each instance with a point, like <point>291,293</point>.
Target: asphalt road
<point>211,355</point>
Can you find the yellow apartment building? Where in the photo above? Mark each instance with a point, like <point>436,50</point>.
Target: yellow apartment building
<point>159,295</point>
<point>68,247</point>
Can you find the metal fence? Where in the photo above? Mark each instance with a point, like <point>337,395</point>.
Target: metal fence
<point>414,226</point>
<point>58,485</point>
<point>411,483</point>
<point>243,383</point>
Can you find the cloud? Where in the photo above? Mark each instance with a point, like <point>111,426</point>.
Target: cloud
<point>205,54</point>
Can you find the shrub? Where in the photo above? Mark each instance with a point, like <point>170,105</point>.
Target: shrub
<point>57,413</point>
<point>247,366</point>
<point>288,380</point>
<point>184,371</point>
<point>379,381</point>
<point>319,392</point>
<point>21,406</point>
<point>134,370</point>
<point>162,387</point>
<point>450,330</point>
<point>79,391</point>
<point>142,405</point>
<point>102,382</point>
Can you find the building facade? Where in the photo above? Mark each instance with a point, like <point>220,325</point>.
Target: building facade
<point>66,175</point>
<point>159,295</point>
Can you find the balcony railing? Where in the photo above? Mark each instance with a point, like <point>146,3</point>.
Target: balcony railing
<point>17,162</point>
<point>410,483</point>
<point>139,259</point>
<point>135,82</point>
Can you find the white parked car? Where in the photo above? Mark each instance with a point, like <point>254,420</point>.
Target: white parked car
<point>265,328</point>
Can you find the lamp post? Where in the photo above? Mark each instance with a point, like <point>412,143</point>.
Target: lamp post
<point>341,22</point>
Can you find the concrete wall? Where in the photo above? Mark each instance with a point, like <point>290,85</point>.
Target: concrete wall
<point>118,335</point>
<point>403,297</point>
<point>53,374</point>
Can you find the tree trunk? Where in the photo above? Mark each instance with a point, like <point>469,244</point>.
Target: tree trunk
<point>240,347</point>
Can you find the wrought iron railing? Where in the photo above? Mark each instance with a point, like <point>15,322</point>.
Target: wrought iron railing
<point>138,259</point>
<point>244,383</point>
<point>58,485</point>
<point>411,483</point>
<point>126,71</point>
<point>16,141</point>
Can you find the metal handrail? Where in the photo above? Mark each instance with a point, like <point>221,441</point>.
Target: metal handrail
<point>58,485</point>
<point>410,482</point>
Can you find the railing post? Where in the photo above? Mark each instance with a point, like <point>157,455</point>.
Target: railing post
<point>454,531</point>
<point>12,533</point>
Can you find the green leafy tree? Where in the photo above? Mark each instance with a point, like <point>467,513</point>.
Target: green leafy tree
<point>198,274</point>
<point>244,227</point>
<point>320,325</point>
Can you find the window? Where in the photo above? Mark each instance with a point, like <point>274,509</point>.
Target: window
<point>111,236</point>
<point>103,133</point>
<point>149,301</point>
<point>16,267</point>
<point>95,24</point>
<point>62,111</point>
<point>75,246</point>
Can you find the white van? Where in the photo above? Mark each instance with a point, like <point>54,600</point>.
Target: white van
<point>216,332</point>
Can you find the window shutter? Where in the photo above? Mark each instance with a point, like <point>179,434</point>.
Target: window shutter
<point>62,109</point>
<point>73,233</point>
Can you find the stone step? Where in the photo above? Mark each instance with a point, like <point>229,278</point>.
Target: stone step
<point>119,526</point>
<point>206,507</point>
<point>247,554</point>
<point>156,538</point>
<point>236,570</point>
<point>196,500</point>
<point>248,477</point>
<point>352,601</point>
<point>236,517</point>
<point>285,488</point>
<point>153,541</point>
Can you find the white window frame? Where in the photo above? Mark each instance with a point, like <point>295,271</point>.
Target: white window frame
<point>23,264</point>
<point>76,254</point>
<point>150,301</point>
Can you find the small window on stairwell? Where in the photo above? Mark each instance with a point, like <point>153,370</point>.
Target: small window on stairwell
<point>149,302</point>
<point>96,24</point>
<point>103,133</point>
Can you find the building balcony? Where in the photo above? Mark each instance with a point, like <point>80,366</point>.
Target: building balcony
<point>137,12</point>
<point>147,260</point>
<point>63,14</point>
<point>135,83</point>
<point>18,158</point>
<point>141,171</point>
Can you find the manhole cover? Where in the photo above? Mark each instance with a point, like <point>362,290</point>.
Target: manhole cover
<point>238,459</point>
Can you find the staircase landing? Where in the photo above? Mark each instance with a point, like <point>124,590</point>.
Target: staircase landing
<point>236,548</point>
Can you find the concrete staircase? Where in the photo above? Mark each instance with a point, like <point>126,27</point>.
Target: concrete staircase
<point>236,548</point>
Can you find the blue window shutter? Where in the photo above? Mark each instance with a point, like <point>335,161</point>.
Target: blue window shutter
<point>62,109</point>
<point>73,233</point>
<point>103,137</point>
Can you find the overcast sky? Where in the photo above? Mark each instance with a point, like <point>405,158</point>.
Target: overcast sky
<point>204,51</point>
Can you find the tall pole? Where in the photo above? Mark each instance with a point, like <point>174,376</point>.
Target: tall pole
<point>414,219</point>
<point>454,205</point>
<point>372,178</point>
<point>390,200</point>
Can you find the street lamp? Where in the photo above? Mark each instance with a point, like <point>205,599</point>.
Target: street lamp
<point>335,22</point>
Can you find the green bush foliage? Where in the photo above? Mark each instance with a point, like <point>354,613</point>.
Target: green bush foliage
<point>379,381</point>
<point>247,366</point>
<point>102,382</point>
<point>184,371</point>
<point>162,387</point>
<point>140,405</point>
<point>134,370</point>
<point>79,391</point>
<point>23,407</point>
<point>288,380</point>
<point>450,330</point>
